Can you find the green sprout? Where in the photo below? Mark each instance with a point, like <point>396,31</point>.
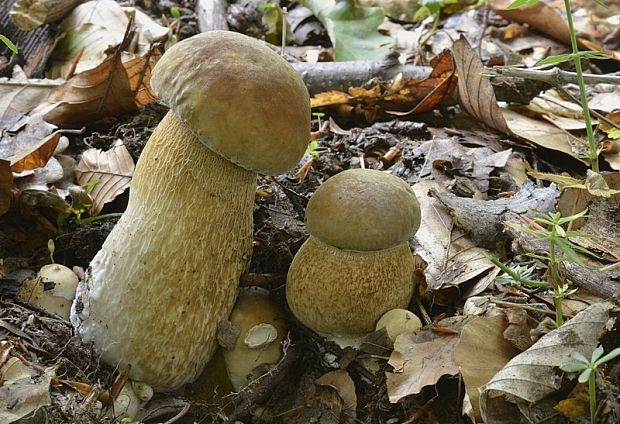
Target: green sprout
<point>561,249</point>
<point>8,43</point>
<point>588,369</point>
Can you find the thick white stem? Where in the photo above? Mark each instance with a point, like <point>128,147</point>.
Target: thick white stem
<point>168,272</point>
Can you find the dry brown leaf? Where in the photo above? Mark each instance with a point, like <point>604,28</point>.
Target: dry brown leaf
<point>139,75</point>
<point>477,99</point>
<point>93,97</point>
<point>476,94</point>
<point>7,188</point>
<point>342,382</point>
<point>482,351</point>
<point>38,156</point>
<point>539,16</point>
<point>534,374</point>
<point>111,171</point>
<point>420,360</point>
<point>30,14</point>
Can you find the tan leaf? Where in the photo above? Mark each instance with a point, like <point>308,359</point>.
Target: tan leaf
<point>418,364</point>
<point>30,14</point>
<point>93,97</point>
<point>477,99</point>
<point>139,74</point>
<point>539,16</point>
<point>534,374</point>
<point>109,174</point>
<point>7,188</point>
<point>342,382</point>
<point>482,351</point>
<point>38,156</point>
<point>476,94</point>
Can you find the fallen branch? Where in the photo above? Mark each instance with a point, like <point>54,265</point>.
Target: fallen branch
<point>555,76</point>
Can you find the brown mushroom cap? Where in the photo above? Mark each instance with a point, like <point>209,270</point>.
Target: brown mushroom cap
<point>217,83</point>
<point>363,209</point>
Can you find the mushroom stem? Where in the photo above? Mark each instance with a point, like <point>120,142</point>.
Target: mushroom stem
<point>178,262</point>
<point>383,280</point>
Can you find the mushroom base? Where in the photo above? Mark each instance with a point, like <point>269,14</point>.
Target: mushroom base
<point>168,272</point>
<point>343,293</point>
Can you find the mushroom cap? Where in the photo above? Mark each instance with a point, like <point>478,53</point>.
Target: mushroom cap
<point>363,209</point>
<point>398,321</point>
<point>240,98</point>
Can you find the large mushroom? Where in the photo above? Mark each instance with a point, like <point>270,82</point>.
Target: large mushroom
<point>356,265</point>
<point>168,272</point>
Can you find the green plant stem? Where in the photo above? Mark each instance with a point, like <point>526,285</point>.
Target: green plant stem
<point>516,277</point>
<point>99,217</point>
<point>593,152</point>
<point>592,395</point>
<point>554,280</point>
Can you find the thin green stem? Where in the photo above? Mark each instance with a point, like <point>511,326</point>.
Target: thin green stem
<point>592,395</point>
<point>554,279</point>
<point>593,152</point>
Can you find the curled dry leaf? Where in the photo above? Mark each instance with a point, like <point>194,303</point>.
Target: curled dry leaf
<point>420,359</point>
<point>39,155</point>
<point>106,174</point>
<point>30,14</point>
<point>534,374</point>
<point>477,98</point>
<point>342,382</point>
<point>482,351</point>
<point>7,188</point>
<point>97,96</point>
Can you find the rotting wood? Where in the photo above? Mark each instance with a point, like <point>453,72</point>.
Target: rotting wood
<point>605,284</point>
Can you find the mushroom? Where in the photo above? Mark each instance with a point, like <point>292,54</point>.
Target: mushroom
<point>53,289</point>
<point>398,321</point>
<point>168,272</point>
<point>258,345</point>
<point>356,265</point>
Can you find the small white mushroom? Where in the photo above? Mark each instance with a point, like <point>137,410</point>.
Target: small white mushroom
<point>398,321</point>
<point>53,289</point>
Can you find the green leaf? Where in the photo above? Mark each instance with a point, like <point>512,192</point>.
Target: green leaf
<point>518,3</point>
<point>598,352</point>
<point>573,367</point>
<point>579,357</point>
<point>174,11</point>
<point>585,375</point>
<point>8,43</point>
<point>611,355</point>
<point>352,30</point>
<point>586,54</point>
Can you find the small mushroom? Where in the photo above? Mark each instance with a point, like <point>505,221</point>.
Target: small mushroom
<point>53,289</point>
<point>398,321</point>
<point>261,330</point>
<point>356,265</point>
<point>168,272</point>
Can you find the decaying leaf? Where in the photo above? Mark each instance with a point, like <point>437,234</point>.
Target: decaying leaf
<point>452,258</point>
<point>7,188</point>
<point>23,390</point>
<point>342,382</point>
<point>477,98</point>
<point>93,97</point>
<point>482,351</point>
<point>105,174</point>
<point>396,97</point>
<point>420,359</point>
<point>38,156</point>
<point>534,374</point>
<point>30,14</point>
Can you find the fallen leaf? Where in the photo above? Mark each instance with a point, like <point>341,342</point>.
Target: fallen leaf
<point>342,382</point>
<point>30,14</point>
<point>481,352</point>
<point>451,257</point>
<point>539,16</point>
<point>38,156</point>
<point>105,174</point>
<point>477,99</point>
<point>94,96</point>
<point>7,187</point>
<point>534,374</point>
<point>419,363</point>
